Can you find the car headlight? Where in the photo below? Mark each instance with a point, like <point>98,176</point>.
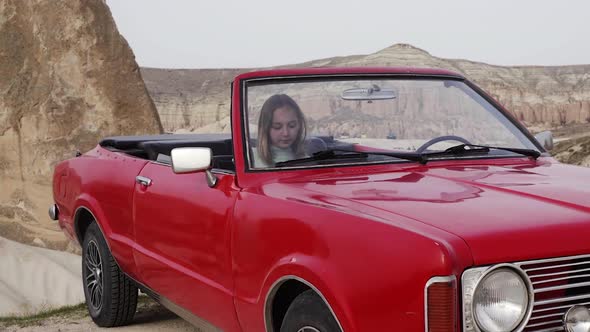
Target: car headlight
<point>499,298</point>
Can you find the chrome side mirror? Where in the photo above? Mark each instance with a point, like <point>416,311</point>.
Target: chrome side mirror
<point>545,138</point>
<point>190,160</point>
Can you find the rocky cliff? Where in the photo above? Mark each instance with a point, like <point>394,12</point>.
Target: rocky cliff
<point>67,78</point>
<point>552,96</point>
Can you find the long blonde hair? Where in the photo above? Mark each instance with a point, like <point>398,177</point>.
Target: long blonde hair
<point>265,122</point>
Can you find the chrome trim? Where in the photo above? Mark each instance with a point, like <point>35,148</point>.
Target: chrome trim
<point>555,274</point>
<point>564,299</point>
<point>552,266</point>
<point>144,181</point>
<point>54,212</point>
<point>159,163</point>
<point>452,279</point>
<point>549,289</point>
<point>575,270</point>
<point>211,179</point>
<point>195,320</point>
<point>272,292</point>
<point>480,273</point>
<point>545,323</point>
<point>558,314</point>
<point>353,75</point>
<point>556,308</point>
<point>245,126</point>
<point>550,260</point>
<point>222,171</point>
<point>201,324</point>
<point>552,329</point>
<point>213,170</point>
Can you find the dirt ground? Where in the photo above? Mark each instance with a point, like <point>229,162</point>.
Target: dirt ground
<point>150,316</point>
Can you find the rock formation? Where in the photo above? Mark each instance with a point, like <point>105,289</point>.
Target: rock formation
<point>67,78</point>
<point>553,96</point>
<point>574,151</point>
<point>188,99</point>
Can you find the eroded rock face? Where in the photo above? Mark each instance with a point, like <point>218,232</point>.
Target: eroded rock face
<point>67,78</point>
<point>190,99</point>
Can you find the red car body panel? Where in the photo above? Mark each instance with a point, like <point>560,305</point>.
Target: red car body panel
<point>183,244</point>
<point>368,238</point>
<point>343,249</point>
<point>91,182</point>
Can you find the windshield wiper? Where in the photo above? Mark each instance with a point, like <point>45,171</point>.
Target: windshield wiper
<point>332,154</point>
<point>423,158</point>
<point>468,149</point>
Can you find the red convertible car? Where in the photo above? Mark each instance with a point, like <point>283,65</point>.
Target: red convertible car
<point>344,199</point>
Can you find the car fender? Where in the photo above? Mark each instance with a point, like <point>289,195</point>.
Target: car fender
<point>120,247</point>
<point>89,203</point>
<point>314,273</point>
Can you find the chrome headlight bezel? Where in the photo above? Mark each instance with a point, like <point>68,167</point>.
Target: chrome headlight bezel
<point>470,281</point>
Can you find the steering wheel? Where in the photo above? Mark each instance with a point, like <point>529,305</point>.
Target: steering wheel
<point>441,139</point>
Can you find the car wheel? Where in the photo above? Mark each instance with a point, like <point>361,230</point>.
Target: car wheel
<point>309,313</point>
<point>111,297</point>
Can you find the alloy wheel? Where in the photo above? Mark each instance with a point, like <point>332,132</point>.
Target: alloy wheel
<point>94,281</point>
<point>308,329</point>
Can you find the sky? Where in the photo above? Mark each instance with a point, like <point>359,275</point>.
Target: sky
<point>261,33</point>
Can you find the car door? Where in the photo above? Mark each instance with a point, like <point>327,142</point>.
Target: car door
<point>182,234</point>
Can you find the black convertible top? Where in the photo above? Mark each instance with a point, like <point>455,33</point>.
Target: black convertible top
<point>133,142</point>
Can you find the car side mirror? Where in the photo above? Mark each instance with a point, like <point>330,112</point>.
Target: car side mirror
<point>545,138</point>
<point>190,160</point>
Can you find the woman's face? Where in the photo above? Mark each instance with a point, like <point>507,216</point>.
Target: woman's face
<point>284,127</point>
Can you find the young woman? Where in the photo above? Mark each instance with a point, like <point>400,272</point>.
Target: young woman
<point>281,131</point>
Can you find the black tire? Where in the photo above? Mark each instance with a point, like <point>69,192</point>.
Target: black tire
<point>309,313</point>
<point>111,297</point>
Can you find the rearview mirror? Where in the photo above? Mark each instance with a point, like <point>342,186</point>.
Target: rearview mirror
<point>372,93</point>
<point>545,138</point>
<point>189,160</point>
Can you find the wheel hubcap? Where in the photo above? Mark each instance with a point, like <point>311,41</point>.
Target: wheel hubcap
<point>308,329</point>
<point>93,267</point>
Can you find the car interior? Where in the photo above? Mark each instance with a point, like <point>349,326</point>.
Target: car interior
<point>158,147</point>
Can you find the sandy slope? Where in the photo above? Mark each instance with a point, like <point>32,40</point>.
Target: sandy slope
<point>33,279</point>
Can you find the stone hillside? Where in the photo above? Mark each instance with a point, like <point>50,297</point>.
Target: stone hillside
<point>553,96</point>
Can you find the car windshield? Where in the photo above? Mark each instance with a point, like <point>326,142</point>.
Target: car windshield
<point>294,123</point>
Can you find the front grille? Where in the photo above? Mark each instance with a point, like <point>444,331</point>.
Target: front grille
<point>558,284</point>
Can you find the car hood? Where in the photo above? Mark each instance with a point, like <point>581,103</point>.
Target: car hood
<point>504,213</point>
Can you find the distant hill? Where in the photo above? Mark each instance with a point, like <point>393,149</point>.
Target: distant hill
<point>198,99</point>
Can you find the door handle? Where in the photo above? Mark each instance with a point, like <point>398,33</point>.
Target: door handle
<point>143,180</point>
